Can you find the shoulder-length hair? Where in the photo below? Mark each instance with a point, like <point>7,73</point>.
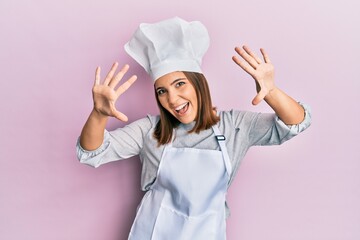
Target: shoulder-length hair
<point>206,115</point>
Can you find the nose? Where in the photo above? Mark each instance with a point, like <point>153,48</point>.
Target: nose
<point>172,97</point>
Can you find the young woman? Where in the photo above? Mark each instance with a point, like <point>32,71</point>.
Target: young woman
<point>190,153</point>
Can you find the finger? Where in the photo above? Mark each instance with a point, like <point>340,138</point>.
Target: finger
<point>115,80</point>
<point>252,54</point>
<point>244,65</point>
<point>122,117</point>
<point>258,98</point>
<point>126,85</point>
<point>119,115</point>
<point>249,59</point>
<point>265,55</point>
<point>97,76</point>
<point>111,73</point>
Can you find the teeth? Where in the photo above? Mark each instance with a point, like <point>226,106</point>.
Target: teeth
<point>180,107</point>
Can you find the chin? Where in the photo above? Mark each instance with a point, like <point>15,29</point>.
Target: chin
<point>186,121</point>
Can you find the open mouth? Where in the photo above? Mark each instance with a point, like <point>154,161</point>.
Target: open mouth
<point>182,108</point>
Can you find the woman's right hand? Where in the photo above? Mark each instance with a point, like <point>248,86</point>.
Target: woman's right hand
<point>105,94</point>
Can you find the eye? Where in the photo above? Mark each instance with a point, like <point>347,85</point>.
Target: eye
<point>160,91</point>
<point>178,84</point>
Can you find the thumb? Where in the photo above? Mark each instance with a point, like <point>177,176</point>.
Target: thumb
<point>259,97</point>
<point>119,115</point>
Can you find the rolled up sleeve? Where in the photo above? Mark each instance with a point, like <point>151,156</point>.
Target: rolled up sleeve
<point>269,129</point>
<point>93,158</point>
<point>119,144</point>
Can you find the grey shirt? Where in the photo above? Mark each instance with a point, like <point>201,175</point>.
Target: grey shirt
<point>241,129</point>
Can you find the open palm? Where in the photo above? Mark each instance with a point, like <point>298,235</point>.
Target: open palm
<point>261,71</point>
<point>106,94</point>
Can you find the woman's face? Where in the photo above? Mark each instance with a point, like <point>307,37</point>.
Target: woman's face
<point>177,95</point>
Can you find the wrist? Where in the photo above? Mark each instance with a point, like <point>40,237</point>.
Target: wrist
<point>272,92</point>
<point>98,115</point>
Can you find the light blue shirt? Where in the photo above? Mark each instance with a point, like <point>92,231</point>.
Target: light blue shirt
<point>241,129</point>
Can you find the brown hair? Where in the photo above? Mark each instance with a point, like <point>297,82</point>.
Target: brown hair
<point>205,117</point>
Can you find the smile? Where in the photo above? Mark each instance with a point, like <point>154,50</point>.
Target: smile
<point>182,108</point>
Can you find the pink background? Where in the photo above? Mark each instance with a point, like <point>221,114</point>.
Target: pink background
<point>309,188</point>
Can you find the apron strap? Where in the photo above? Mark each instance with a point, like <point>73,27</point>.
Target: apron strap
<point>221,140</point>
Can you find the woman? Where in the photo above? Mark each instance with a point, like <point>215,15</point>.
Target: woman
<point>191,152</point>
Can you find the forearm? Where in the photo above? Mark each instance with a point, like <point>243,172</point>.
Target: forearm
<point>92,134</point>
<point>285,107</point>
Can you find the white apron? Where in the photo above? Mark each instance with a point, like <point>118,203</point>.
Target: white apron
<point>187,199</point>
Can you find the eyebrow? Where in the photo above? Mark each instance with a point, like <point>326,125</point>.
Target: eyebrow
<point>173,82</point>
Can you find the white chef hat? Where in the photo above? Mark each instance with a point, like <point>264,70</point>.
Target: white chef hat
<point>168,46</point>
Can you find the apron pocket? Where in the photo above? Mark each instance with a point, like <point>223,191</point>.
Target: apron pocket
<point>171,224</point>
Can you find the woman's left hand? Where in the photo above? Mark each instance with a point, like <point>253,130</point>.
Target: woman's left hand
<point>261,70</point>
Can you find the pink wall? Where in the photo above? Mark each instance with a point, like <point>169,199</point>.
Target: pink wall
<point>306,189</point>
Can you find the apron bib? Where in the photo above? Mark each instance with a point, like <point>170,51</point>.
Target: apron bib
<point>187,199</point>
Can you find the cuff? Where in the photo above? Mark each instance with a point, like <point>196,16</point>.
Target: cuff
<point>83,155</point>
